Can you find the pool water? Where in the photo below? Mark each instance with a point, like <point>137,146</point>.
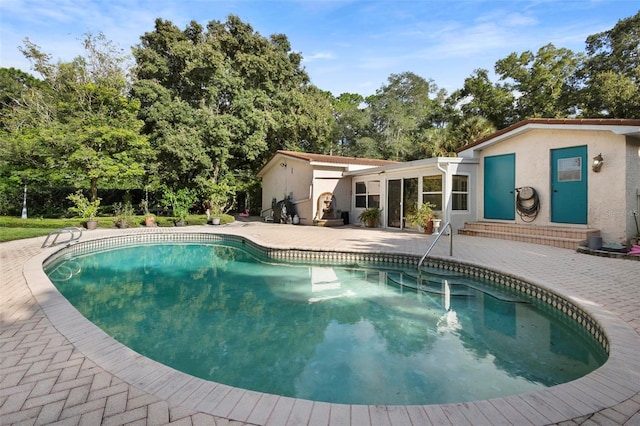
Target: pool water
<point>357,334</point>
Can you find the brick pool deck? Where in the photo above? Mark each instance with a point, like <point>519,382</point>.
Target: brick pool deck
<point>57,368</point>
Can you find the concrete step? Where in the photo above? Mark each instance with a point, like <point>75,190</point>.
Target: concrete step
<point>555,236</point>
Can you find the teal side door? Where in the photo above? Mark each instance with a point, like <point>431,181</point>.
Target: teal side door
<point>499,186</point>
<point>569,185</point>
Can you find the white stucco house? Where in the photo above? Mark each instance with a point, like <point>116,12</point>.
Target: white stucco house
<point>534,176</point>
<point>556,158</point>
<point>303,177</point>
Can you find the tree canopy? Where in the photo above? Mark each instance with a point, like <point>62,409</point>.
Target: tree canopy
<point>611,72</point>
<point>77,127</point>
<point>203,108</point>
<point>219,100</point>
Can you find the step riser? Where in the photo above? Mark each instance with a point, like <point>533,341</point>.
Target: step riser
<point>555,236</point>
<point>583,234</point>
<point>568,243</point>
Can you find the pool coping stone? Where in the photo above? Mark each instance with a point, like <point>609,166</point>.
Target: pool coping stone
<point>617,381</point>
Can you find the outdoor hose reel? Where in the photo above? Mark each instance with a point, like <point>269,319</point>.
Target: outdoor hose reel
<point>527,203</point>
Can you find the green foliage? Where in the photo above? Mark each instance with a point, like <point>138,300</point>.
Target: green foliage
<point>616,50</point>
<point>611,72</point>
<point>370,216</point>
<point>124,214</point>
<point>472,128</point>
<point>479,97</point>
<point>222,99</point>
<point>16,222</point>
<point>12,228</point>
<point>219,196</point>
<point>180,202</point>
<point>351,127</point>
<point>78,126</point>
<point>543,81</point>
<point>208,105</point>
<point>399,110</point>
<point>11,234</point>
<point>82,206</point>
<point>17,86</point>
<point>421,216</point>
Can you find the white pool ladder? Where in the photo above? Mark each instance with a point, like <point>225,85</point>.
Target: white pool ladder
<point>74,235</point>
<point>438,235</point>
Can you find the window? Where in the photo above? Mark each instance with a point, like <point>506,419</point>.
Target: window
<point>570,169</point>
<point>368,194</point>
<point>460,192</point>
<point>432,191</point>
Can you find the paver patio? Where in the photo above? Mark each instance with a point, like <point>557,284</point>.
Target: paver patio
<point>57,368</point>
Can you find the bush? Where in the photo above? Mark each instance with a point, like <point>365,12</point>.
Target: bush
<point>82,206</point>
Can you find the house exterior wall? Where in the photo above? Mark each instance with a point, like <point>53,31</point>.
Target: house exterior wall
<point>605,190</point>
<point>304,183</point>
<point>446,169</point>
<point>633,186</point>
<point>459,217</point>
<point>328,180</point>
<point>294,180</point>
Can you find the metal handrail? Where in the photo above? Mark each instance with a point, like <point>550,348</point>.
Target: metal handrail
<point>448,224</point>
<point>70,230</point>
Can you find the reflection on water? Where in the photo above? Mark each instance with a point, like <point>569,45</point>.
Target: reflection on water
<point>335,334</point>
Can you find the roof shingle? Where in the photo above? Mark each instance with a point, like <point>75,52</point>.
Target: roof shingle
<point>335,159</point>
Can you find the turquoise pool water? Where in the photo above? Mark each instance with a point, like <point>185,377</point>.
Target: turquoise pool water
<point>357,334</point>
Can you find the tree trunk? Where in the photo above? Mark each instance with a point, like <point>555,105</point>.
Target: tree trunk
<point>94,189</point>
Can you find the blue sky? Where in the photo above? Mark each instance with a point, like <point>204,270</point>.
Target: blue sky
<point>348,46</point>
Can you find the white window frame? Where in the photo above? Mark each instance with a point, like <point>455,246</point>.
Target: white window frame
<point>453,192</point>
<point>370,192</point>
<point>423,193</point>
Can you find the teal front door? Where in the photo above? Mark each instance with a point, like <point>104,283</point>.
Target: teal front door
<point>499,187</point>
<point>569,185</point>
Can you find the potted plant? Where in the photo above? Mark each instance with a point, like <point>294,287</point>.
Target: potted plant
<point>149,218</point>
<point>124,214</point>
<point>422,217</point>
<point>218,200</point>
<point>180,202</point>
<point>436,223</point>
<point>370,217</point>
<point>84,208</point>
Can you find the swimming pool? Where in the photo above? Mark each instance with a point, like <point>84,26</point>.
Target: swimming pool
<point>454,308</point>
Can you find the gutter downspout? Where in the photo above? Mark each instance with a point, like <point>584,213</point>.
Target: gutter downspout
<point>309,198</point>
<point>304,200</point>
<point>445,191</point>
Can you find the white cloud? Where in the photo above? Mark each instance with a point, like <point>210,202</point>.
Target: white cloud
<point>319,56</point>
<point>353,45</point>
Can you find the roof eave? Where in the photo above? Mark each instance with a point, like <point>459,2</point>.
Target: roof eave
<point>619,127</point>
<point>411,165</point>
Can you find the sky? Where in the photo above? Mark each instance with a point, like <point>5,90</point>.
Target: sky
<point>347,45</point>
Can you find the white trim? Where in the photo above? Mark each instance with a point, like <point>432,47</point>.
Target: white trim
<point>616,129</point>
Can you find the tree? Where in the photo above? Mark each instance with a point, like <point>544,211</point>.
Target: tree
<point>80,128</point>
<point>540,83</point>
<point>350,126</point>
<point>611,72</point>
<point>479,97</point>
<point>470,129</point>
<point>14,84</point>
<point>220,100</point>
<point>401,111</point>
<point>611,95</point>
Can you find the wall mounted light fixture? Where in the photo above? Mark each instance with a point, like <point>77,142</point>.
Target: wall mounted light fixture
<point>598,161</point>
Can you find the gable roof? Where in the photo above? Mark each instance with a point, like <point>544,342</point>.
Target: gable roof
<point>334,159</point>
<point>337,161</point>
<point>616,125</point>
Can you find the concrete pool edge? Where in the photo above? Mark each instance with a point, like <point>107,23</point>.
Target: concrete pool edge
<point>614,382</point>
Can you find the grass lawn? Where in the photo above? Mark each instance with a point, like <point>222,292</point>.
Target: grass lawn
<point>15,228</point>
